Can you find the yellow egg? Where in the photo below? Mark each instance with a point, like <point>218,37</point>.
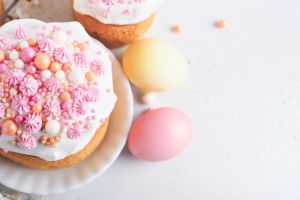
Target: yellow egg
<point>154,65</point>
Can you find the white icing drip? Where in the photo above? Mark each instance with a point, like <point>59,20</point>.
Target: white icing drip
<point>128,12</point>
<point>102,108</point>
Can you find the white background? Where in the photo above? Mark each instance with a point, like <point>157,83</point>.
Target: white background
<point>243,96</point>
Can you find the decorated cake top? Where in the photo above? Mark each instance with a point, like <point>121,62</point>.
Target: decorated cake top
<point>55,88</point>
<point>120,12</point>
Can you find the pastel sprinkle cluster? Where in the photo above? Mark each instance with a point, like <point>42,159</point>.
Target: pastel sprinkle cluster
<point>111,3</point>
<point>47,83</point>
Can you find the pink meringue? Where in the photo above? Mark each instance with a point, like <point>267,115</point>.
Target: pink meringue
<point>79,106</point>
<point>15,76</point>
<point>74,131</point>
<point>21,32</point>
<point>52,84</point>
<point>92,95</point>
<point>29,86</point>
<point>33,123</point>
<point>52,108</point>
<point>4,39</point>
<point>110,3</point>
<point>81,59</point>
<point>27,142</point>
<point>46,44</point>
<point>79,92</point>
<point>20,103</point>
<point>61,55</point>
<point>98,67</point>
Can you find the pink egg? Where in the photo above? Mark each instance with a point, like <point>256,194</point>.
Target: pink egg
<point>160,134</point>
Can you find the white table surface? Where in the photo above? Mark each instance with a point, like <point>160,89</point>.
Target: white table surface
<point>243,96</point>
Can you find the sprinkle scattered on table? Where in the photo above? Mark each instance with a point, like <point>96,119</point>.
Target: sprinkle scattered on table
<point>176,29</point>
<point>221,24</point>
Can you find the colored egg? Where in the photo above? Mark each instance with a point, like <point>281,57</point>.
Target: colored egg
<point>160,134</point>
<point>9,127</point>
<point>154,65</point>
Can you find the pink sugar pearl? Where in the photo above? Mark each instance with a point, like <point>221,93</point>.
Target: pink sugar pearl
<point>31,69</point>
<point>87,126</point>
<point>19,119</point>
<point>160,134</point>
<point>3,68</point>
<point>28,54</point>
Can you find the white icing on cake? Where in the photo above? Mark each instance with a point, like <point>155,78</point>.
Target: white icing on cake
<point>119,12</point>
<point>95,112</point>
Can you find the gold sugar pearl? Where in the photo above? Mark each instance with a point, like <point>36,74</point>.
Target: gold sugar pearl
<point>44,137</point>
<point>51,140</point>
<point>13,142</point>
<point>57,138</point>
<point>177,29</point>
<point>221,23</point>
<point>82,46</point>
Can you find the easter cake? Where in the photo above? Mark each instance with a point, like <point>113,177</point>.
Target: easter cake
<point>56,93</point>
<point>115,22</point>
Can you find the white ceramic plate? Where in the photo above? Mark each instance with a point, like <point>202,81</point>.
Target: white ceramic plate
<point>46,182</point>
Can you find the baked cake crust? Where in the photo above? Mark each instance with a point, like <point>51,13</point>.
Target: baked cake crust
<point>114,35</point>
